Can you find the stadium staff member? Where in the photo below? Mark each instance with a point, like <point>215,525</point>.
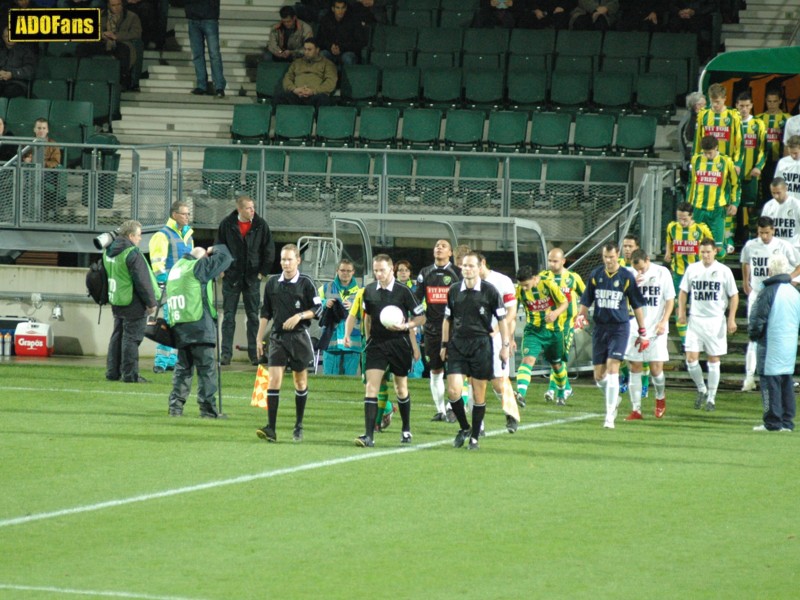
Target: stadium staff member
<point>249,239</point>
<point>131,293</point>
<point>167,246</point>
<point>467,344</point>
<point>386,348</point>
<point>290,302</point>
<point>193,318</point>
<point>612,290</point>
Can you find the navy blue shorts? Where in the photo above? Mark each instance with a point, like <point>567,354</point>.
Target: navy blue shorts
<point>609,341</point>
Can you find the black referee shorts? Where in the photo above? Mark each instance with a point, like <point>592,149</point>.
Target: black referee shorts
<point>292,348</point>
<point>395,353</point>
<point>471,357</point>
<point>433,351</point>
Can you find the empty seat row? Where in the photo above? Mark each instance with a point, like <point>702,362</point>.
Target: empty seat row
<point>426,13</point>
<point>427,178</point>
<point>382,127</point>
<point>364,85</point>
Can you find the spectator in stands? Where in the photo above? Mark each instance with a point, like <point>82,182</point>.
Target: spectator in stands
<point>52,154</point>
<point>309,80</point>
<point>312,11</point>
<point>496,12</point>
<point>774,120</point>
<point>147,11</point>
<point>642,15</point>
<point>600,15</point>
<point>79,4</point>
<point>544,14</point>
<point>341,36</point>
<point>286,38</point>
<point>122,39</point>
<point>691,16</point>
<point>7,150</point>
<point>203,18</point>
<point>687,129</point>
<point>17,66</point>
<point>370,12</point>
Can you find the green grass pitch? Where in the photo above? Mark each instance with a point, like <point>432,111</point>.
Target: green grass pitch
<point>104,495</point>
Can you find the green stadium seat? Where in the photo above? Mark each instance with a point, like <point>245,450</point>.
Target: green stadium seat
<point>507,130</point>
<point>434,176</point>
<point>293,124</point>
<point>525,173</point>
<point>269,79</point>
<point>251,123</point>
<point>612,92</point>
<point>463,129</point>
<point>400,86</point>
<point>378,127</point>
<point>274,162</point>
<point>564,182</point>
<point>50,89</point>
<point>532,42</point>
<point>23,112</point>
<point>550,132</point>
<point>349,177</point>
<point>441,88</point>
<point>636,135</point>
<point>569,91</point>
<point>222,171</point>
<point>438,47</point>
<point>655,96</point>
<point>336,126</point>
<point>99,94</point>
<point>57,67</point>
<point>483,89</point>
<point>626,44</point>
<point>71,122</point>
<point>413,18</point>
<point>306,175</point>
<point>359,84</point>
<point>457,18</point>
<point>485,48</point>
<point>478,182</point>
<point>421,128</point>
<point>392,46</point>
<point>678,68</point>
<point>527,90</point>
<point>594,133</point>
<point>608,180</point>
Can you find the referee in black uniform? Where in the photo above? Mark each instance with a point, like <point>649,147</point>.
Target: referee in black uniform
<point>467,344</point>
<point>386,347</point>
<point>290,302</point>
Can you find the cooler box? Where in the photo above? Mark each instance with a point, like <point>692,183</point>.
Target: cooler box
<point>33,339</point>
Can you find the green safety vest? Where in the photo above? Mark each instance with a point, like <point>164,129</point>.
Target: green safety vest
<point>120,282</point>
<point>185,294</point>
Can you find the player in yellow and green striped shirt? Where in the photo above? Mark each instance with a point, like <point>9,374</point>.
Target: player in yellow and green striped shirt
<point>544,303</point>
<point>774,119</point>
<point>683,247</point>
<point>714,189</point>
<point>753,159</point>
<point>572,286</point>
<point>723,123</point>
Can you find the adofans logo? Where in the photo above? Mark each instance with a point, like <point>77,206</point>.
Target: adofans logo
<point>54,25</point>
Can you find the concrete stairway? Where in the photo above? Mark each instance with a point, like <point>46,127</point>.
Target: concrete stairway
<point>765,24</point>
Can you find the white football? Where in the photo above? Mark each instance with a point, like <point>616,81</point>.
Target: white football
<point>392,315</point>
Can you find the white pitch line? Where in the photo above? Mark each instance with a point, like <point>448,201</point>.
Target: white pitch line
<point>367,455</point>
<point>101,593</point>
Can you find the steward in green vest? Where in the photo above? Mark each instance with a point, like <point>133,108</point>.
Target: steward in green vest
<point>193,319</point>
<point>131,291</point>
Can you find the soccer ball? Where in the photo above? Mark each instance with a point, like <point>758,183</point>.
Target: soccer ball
<point>392,315</point>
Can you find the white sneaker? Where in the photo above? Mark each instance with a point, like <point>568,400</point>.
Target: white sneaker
<point>760,428</point>
<point>609,424</point>
<point>749,384</point>
<point>549,396</point>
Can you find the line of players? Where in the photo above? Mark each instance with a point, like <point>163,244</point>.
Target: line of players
<point>632,308</point>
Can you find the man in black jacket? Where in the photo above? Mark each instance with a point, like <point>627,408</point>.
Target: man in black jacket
<point>17,66</point>
<point>249,240</point>
<point>131,293</point>
<point>194,322</point>
<point>341,36</point>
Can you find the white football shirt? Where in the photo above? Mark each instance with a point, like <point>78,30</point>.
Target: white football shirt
<point>756,254</point>
<point>789,169</point>
<point>709,288</point>
<point>506,288</point>
<point>787,219</point>
<point>657,288</point>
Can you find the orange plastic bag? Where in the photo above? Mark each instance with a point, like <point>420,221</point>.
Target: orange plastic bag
<point>259,398</point>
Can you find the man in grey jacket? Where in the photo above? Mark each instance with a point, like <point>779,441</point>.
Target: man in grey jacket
<point>774,324</point>
<point>193,318</point>
<point>286,38</point>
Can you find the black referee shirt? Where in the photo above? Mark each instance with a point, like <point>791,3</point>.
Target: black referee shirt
<point>376,298</point>
<point>284,298</point>
<point>470,311</point>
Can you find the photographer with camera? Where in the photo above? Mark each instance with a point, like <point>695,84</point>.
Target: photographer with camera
<point>131,293</point>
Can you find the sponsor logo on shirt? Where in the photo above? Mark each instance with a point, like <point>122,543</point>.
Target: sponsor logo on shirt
<point>709,178</point>
<point>436,294</point>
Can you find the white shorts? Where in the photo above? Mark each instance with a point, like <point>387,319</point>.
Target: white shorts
<point>657,352</point>
<point>497,345</point>
<point>707,334</point>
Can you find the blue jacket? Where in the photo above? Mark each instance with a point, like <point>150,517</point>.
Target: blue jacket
<point>774,323</point>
